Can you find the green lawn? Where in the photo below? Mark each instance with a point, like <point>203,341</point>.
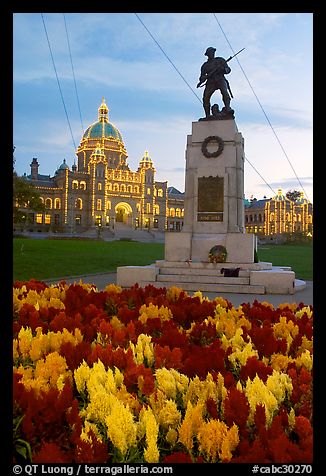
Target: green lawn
<point>299,257</point>
<point>45,259</point>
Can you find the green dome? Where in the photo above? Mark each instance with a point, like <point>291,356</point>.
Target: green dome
<point>100,130</point>
<point>103,129</point>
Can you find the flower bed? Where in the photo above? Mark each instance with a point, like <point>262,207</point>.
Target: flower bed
<point>158,376</point>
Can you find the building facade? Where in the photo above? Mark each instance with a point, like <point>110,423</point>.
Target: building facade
<point>279,215</point>
<point>100,190</point>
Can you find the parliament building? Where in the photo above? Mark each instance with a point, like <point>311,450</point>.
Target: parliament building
<point>100,190</point>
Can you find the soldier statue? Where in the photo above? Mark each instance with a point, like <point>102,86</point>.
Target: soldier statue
<point>212,72</point>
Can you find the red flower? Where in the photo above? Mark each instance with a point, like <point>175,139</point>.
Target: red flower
<point>254,366</point>
<point>164,357</point>
<point>51,453</point>
<point>236,409</point>
<point>94,452</point>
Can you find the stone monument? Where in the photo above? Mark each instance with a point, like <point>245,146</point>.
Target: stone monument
<point>213,238</point>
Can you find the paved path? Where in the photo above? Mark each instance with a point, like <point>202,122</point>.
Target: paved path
<point>305,295</point>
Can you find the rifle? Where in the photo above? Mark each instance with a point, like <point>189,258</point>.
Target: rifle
<point>200,85</point>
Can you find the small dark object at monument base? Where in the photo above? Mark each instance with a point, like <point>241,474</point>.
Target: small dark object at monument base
<point>230,272</point>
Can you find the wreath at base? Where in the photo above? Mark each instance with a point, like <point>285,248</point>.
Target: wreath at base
<point>217,254</point>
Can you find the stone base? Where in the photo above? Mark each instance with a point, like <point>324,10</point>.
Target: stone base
<point>254,278</point>
<point>185,246</point>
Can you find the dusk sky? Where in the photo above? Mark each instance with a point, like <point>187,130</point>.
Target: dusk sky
<point>152,106</point>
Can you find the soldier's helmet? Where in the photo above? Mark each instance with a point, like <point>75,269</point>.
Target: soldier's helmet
<point>209,49</point>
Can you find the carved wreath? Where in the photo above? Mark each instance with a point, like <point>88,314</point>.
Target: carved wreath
<point>207,141</point>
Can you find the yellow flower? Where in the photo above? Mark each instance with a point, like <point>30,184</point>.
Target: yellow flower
<point>166,383</point>
<point>15,349</point>
<point>291,418</point>
<point>143,351</point>
<point>169,416</point>
<point>307,310</point>
<point>81,376</point>
<point>25,338</point>
<point>151,453</point>
<point>171,436</point>
<point>173,293</point>
<point>121,428</point>
<point>154,312</point>
<point>216,441</point>
<point>280,362</point>
<point>113,288</point>
<point>51,372</point>
<point>190,424</point>
<point>258,393</point>
<point>285,330</point>
<point>305,360</point>
<point>280,384</point>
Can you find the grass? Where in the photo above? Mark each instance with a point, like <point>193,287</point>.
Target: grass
<point>299,257</point>
<point>46,259</point>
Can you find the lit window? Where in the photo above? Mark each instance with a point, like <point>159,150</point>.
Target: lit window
<point>177,212</point>
<point>99,204</point>
<point>39,218</point>
<point>74,184</point>
<point>57,203</point>
<point>148,208</point>
<point>79,203</point>
<point>99,187</point>
<point>160,192</point>
<point>82,185</point>
<point>108,205</point>
<point>148,191</point>
<point>47,219</point>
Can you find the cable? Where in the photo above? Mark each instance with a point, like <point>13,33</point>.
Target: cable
<point>73,73</point>
<point>179,73</point>
<point>56,74</point>
<point>269,122</point>
<point>260,176</point>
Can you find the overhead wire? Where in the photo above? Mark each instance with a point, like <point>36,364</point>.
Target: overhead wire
<point>167,57</point>
<point>263,110</point>
<point>184,79</point>
<point>58,82</point>
<point>73,73</point>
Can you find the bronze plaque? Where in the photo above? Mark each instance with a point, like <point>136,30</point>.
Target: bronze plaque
<point>210,195</point>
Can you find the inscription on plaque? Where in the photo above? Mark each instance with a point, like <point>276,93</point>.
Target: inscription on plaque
<point>210,198</point>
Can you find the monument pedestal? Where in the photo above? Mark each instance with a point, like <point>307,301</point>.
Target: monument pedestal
<point>213,215</point>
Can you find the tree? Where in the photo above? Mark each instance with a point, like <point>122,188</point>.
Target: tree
<point>293,195</point>
<point>25,198</point>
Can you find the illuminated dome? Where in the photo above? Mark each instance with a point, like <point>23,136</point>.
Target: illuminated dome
<point>103,129</point>
<point>280,197</point>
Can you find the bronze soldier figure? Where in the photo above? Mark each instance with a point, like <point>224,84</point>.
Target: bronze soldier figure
<point>213,71</point>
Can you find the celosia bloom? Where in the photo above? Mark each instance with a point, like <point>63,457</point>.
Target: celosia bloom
<point>151,453</point>
<point>190,424</point>
<point>216,441</point>
<point>121,428</point>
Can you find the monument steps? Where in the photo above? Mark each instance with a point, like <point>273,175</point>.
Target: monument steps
<point>186,278</point>
<point>195,272</point>
<point>209,287</point>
